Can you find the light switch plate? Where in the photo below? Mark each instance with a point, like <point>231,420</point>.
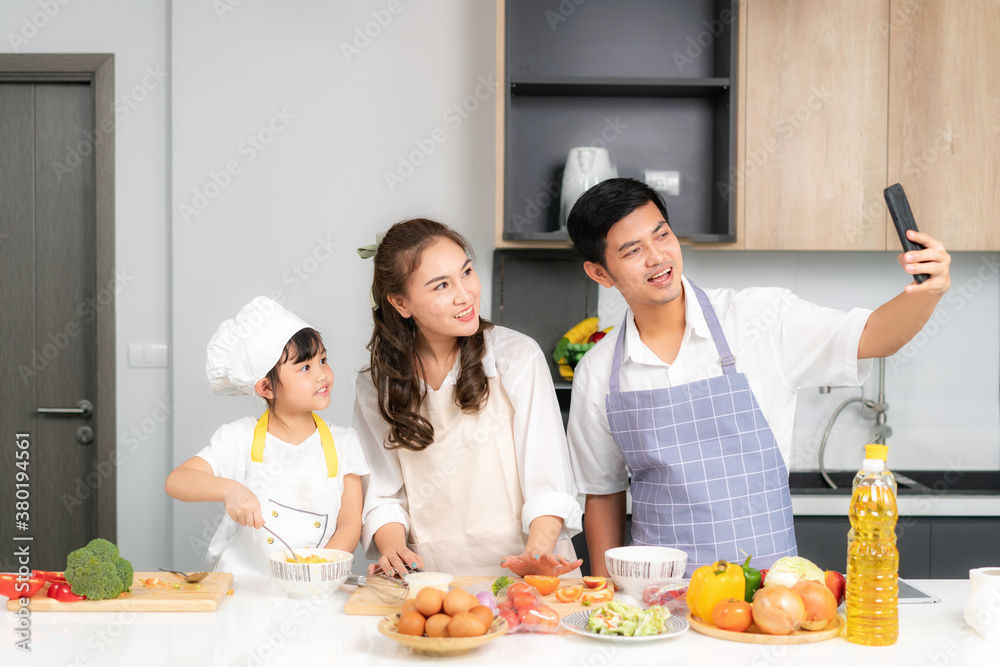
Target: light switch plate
<point>667,182</point>
<point>147,356</point>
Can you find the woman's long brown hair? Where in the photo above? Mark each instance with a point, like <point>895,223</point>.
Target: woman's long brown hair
<point>396,368</point>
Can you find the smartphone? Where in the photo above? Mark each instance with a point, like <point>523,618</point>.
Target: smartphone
<point>902,217</point>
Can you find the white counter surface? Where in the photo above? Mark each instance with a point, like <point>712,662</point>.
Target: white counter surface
<point>259,625</point>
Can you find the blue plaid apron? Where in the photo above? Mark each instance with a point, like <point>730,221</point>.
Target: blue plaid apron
<point>707,474</point>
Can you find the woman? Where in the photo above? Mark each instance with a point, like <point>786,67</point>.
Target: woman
<point>458,418</point>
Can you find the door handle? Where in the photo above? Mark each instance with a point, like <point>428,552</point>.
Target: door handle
<point>84,409</point>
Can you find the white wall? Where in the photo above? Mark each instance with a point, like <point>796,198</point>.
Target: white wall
<point>321,177</point>
<point>137,34</point>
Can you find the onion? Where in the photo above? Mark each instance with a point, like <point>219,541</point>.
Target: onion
<point>487,600</point>
<point>778,610</point>
<point>820,604</point>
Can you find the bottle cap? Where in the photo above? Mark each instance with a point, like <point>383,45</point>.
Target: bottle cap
<point>880,452</point>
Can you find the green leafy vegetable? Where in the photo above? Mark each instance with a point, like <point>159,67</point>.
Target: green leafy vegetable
<point>97,571</point>
<point>615,618</point>
<point>500,584</point>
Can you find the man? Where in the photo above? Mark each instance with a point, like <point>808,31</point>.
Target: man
<point>694,392</point>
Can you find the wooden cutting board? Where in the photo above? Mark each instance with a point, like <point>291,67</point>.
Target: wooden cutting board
<point>364,602</point>
<point>203,596</point>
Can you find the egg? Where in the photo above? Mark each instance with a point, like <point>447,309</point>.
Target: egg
<point>466,624</point>
<point>437,625</point>
<point>458,601</point>
<point>409,605</point>
<point>428,601</point>
<point>484,613</point>
<point>411,623</point>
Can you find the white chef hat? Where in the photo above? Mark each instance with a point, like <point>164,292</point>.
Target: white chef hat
<point>244,349</point>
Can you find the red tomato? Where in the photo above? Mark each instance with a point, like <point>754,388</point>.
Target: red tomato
<point>569,593</point>
<point>511,617</point>
<point>733,615</point>
<point>519,587</point>
<point>523,600</point>
<point>540,620</point>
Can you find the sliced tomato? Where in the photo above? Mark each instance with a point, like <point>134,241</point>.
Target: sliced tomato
<point>569,593</point>
<point>543,584</point>
<point>596,597</point>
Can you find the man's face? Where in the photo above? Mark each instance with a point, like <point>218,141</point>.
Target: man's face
<point>642,259</point>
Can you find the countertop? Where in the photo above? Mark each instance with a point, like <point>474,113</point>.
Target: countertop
<point>260,625</point>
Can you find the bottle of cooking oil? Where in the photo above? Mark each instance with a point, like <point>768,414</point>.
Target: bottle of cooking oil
<point>873,560</point>
<point>872,451</point>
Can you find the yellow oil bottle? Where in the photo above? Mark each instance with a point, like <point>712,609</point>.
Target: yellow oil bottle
<point>872,593</point>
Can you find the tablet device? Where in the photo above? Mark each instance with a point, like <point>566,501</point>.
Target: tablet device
<point>910,594</point>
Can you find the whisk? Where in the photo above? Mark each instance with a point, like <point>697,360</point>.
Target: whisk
<point>386,588</point>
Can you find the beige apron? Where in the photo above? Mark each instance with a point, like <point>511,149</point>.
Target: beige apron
<point>464,492</point>
<point>304,512</point>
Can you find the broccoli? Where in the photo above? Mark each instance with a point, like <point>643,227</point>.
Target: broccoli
<point>500,584</point>
<point>97,571</point>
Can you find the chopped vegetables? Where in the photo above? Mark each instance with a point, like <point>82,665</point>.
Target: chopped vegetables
<point>61,591</point>
<point>616,618</point>
<point>12,586</point>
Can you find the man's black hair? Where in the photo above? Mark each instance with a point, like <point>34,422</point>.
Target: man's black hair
<point>600,207</point>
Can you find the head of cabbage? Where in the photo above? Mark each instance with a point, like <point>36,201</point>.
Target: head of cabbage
<point>790,570</point>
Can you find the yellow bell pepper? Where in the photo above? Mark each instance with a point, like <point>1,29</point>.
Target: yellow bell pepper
<point>712,584</point>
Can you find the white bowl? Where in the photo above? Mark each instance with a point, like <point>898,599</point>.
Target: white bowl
<point>417,581</point>
<point>311,580</point>
<point>634,568</point>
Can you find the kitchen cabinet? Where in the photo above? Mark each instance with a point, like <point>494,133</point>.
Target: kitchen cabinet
<point>652,81</point>
<point>929,547</point>
<point>844,99</point>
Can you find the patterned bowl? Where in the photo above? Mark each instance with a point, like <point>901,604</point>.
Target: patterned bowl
<point>634,568</point>
<point>311,580</point>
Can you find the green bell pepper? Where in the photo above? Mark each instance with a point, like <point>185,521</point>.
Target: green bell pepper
<point>753,579</point>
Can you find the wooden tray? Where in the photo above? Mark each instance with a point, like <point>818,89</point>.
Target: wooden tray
<point>203,596</point>
<point>755,636</point>
<point>363,602</point>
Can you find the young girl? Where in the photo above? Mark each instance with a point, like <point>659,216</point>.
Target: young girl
<point>459,422</point>
<point>290,469</point>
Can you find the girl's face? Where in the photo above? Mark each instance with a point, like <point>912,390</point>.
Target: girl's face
<point>442,295</point>
<point>305,386</point>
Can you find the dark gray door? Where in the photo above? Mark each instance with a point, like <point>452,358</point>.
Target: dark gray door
<point>48,333</point>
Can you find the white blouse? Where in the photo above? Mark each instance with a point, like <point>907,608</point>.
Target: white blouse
<point>540,442</point>
<point>781,343</point>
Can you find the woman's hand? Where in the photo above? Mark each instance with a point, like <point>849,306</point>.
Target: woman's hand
<point>397,559</point>
<point>531,562</point>
<point>242,506</point>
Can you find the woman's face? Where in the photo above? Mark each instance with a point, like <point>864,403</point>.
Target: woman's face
<point>442,295</point>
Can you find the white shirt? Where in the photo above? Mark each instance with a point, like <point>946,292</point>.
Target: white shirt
<point>540,443</point>
<point>781,343</point>
<point>229,454</point>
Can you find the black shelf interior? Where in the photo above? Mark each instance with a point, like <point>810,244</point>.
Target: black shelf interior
<point>650,80</point>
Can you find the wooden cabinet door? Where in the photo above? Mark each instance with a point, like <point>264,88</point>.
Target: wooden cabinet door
<point>944,118</point>
<point>816,107</point>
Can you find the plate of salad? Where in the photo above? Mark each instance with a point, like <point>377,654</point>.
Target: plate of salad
<point>617,622</point>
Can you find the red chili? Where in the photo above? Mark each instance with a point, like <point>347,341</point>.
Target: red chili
<point>61,591</point>
<point>13,586</point>
<point>49,576</point>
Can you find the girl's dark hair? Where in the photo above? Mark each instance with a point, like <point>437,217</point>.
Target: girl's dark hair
<point>305,344</point>
<point>396,368</point>
<point>600,207</point>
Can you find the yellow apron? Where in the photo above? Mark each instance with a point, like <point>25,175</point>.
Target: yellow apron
<point>303,511</point>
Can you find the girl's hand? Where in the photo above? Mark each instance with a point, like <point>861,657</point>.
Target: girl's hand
<point>397,560</point>
<point>243,507</point>
<point>932,260</point>
<point>535,563</point>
